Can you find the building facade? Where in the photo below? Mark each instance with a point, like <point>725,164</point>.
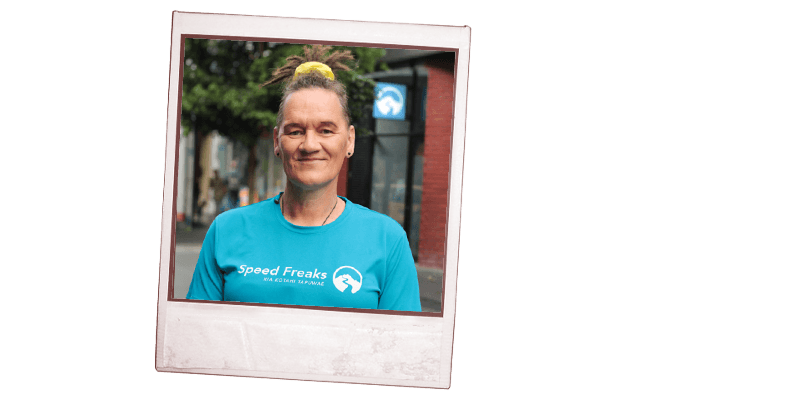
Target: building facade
<point>403,168</point>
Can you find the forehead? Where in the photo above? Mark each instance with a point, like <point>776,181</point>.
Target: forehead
<point>310,105</point>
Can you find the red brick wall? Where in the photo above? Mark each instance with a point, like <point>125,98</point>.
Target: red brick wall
<point>436,170</point>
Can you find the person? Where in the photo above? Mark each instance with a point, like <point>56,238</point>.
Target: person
<point>308,246</point>
<point>220,187</point>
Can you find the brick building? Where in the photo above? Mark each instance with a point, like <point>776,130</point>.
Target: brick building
<point>403,168</point>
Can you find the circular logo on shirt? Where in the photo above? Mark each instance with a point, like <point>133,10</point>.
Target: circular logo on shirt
<point>347,277</point>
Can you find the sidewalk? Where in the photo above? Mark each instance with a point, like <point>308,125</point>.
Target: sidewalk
<point>430,280</point>
<point>193,236</point>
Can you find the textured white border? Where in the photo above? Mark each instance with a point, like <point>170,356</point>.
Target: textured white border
<point>291,343</point>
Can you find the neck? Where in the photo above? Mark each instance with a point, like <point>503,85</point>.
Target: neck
<point>310,207</point>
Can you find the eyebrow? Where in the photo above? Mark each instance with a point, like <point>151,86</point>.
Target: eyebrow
<point>297,125</point>
<point>328,123</point>
<point>292,125</point>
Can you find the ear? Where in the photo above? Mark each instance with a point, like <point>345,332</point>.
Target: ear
<point>351,140</point>
<point>275,140</point>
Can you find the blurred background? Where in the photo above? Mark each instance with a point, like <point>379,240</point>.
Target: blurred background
<point>400,100</point>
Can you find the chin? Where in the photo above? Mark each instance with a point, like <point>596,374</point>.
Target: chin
<point>312,182</point>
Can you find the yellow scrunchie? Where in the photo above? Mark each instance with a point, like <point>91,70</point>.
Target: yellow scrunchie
<point>314,66</point>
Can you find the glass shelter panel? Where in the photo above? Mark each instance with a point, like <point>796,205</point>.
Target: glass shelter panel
<point>389,176</point>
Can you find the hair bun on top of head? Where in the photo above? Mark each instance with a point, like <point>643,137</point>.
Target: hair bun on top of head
<point>306,68</point>
<point>314,59</point>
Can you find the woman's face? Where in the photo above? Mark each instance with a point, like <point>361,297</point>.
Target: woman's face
<point>314,138</point>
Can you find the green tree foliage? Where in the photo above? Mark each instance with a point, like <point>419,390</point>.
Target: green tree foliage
<point>221,92</point>
<point>221,86</point>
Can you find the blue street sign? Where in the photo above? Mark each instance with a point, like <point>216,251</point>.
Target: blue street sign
<point>390,101</point>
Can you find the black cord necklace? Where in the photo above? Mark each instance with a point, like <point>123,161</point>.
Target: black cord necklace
<point>335,202</point>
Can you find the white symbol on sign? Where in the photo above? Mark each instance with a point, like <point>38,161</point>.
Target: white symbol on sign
<point>389,103</point>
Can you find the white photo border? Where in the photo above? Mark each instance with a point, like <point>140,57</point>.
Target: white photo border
<point>310,343</point>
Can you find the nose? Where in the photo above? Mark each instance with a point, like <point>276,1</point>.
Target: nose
<point>310,142</point>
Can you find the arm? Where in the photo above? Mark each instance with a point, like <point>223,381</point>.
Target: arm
<point>207,281</point>
<point>401,287</point>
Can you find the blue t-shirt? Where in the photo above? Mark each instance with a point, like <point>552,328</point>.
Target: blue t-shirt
<point>360,260</point>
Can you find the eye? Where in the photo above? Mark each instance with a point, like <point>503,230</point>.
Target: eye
<point>294,132</point>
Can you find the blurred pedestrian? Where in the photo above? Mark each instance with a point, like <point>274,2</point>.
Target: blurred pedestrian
<point>220,186</point>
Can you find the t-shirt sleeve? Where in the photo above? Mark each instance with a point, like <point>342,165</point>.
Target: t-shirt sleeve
<point>207,281</point>
<point>401,288</point>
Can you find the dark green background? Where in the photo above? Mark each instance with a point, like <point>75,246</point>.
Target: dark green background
<point>631,203</point>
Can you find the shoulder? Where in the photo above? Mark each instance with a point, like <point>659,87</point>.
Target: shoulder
<point>374,220</point>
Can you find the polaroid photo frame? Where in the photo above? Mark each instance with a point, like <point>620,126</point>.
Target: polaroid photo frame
<point>310,343</point>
